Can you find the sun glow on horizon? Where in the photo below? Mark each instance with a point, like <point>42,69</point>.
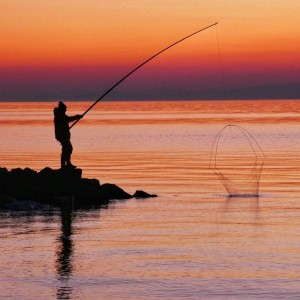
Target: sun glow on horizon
<point>84,36</point>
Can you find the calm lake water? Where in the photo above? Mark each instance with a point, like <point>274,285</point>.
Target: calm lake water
<point>191,242</point>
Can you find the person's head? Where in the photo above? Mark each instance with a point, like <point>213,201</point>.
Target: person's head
<point>62,106</point>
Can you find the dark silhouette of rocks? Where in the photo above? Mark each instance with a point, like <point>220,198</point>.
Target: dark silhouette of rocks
<point>111,191</point>
<point>58,187</point>
<point>142,194</point>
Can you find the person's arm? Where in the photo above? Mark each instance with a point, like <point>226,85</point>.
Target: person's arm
<point>74,118</point>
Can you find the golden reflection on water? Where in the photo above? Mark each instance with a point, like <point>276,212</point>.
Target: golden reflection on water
<point>191,242</point>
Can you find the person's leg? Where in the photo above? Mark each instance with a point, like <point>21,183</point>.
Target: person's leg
<point>62,161</point>
<point>68,152</point>
<point>63,158</point>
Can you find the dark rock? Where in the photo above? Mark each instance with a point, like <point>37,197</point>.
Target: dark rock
<point>50,176</point>
<point>26,205</point>
<point>87,191</point>
<point>18,175</point>
<point>142,194</point>
<point>63,201</point>
<point>4,179</point>
<point>3,172</point>
<point>111,191</point>
<point>63,187</point>
<point>5,201</point>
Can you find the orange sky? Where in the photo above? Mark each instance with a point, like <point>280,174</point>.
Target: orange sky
<point>106,39</point>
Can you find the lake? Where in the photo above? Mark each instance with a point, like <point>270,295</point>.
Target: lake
<point>192,241</point>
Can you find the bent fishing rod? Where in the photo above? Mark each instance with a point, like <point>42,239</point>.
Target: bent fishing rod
<point>135,69</point>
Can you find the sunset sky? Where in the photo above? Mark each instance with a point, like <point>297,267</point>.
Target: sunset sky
<point>77,49</point>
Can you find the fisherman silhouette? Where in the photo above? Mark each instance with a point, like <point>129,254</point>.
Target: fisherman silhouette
<point>62,133</point>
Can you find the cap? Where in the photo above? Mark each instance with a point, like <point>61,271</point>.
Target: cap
<point>61,105</point>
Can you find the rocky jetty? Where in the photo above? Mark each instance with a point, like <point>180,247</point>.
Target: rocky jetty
<point>58,188</point>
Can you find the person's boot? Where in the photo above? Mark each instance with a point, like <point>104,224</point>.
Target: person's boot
<point>69,164</point>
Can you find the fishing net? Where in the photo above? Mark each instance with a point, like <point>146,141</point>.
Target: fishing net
<point>237,160</point>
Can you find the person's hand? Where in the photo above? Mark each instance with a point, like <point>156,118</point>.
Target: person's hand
<point>79,116</point>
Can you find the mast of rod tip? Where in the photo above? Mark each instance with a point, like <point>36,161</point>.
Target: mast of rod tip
<point>135,69</point>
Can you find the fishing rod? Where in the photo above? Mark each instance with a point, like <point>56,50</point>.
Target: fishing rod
<point>121,80</point>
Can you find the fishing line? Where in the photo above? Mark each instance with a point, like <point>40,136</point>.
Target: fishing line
<point>249,187</point>
<point>135,69</point>
<point>221,63</point>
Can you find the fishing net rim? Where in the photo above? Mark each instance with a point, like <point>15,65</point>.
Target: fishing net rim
<point>256,170</point>
<point>246,133</point>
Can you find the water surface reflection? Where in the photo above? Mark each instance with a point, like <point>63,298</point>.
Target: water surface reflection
<point>65,248</point>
